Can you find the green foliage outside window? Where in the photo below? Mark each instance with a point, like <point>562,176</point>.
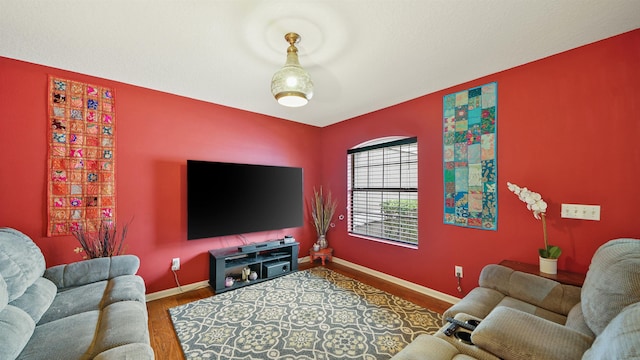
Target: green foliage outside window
<point>400,220</point>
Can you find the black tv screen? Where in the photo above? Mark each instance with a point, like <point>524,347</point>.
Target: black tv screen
<point>230,199</point>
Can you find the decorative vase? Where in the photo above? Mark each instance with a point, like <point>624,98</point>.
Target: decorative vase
<point>322,241</point>
<point>316,247</point>
<point>228,282</point>
<point>245,274</point>
<point>253,275</point>
<point>548,266</point>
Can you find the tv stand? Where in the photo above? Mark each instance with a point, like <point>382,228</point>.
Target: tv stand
<point>268,260</point>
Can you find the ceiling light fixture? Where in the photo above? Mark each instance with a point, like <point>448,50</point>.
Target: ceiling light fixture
<point>292,85</point>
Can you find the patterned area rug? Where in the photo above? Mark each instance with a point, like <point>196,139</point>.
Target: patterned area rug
<point>310,314</point>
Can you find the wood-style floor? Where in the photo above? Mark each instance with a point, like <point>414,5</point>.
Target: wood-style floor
<point>165,342</point>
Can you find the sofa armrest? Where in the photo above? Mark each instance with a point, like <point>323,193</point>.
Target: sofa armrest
<point>92,270</point>
<point>514,334</point>
<point>478,302</point>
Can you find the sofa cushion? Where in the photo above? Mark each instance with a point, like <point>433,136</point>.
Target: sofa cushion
<point>544,293</point>
<point>514,303</point>
<point>16,328</point>
<point>512,334</point>
<point>135,351</point>
<point>37,298</point>
<point>124,288</point>
<point>84,335</point>
<point>74,301</point>
<point>66,338</point>
<point>612,282</point>
<point>92,270</point>
<point>4,293</point>
<point>575,321</point>
<point>95,296</point>
<point>536,290</point>
<point>620,340</point>
<point>21,261</point>
<point>131,313</point>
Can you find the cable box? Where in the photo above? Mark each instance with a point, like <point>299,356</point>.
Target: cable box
<point>258,246</point>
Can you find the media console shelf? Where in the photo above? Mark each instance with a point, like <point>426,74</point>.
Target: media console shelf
<point>268,260</point>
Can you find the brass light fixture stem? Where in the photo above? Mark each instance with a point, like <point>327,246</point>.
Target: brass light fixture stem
<point>292,38</point>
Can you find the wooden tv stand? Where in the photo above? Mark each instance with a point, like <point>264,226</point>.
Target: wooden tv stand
<point>269,260</point>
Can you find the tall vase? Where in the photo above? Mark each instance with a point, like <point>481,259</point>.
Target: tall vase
<point>548,266</point>
<point>322,241</point>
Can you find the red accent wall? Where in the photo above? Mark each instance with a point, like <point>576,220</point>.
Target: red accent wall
<point>567,128</point>
<point>157,133</point>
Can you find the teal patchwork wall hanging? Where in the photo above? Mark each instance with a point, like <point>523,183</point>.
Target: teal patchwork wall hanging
<point>470,157</point>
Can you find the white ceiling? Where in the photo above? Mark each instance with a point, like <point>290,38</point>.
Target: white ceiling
<point>363,55</point>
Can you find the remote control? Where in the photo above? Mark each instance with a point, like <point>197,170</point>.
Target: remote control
<point>460,323</point>
<point>450,329</point>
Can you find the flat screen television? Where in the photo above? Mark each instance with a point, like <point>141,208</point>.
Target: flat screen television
<point>230,199</point>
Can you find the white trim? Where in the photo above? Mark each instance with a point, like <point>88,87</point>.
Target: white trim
<point>406,284</point>
<point>175,291</point>
<point>380,140</point>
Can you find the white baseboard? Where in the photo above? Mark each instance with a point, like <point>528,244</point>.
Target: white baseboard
<point>177,290</point>
<point>406,284</point>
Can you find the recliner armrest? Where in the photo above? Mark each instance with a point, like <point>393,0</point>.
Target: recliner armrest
<point>92,270</point>
<point>514,334</point>
<point>478,302</point>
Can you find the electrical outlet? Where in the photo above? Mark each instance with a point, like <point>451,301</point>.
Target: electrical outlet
<point>175,264</point>
<point>458,272</point>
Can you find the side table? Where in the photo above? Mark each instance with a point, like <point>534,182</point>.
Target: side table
<point>563,277</point>
<point>322,254</point>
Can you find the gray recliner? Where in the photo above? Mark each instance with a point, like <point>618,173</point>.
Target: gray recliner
<point>92,309</point>
<point>524,316</point>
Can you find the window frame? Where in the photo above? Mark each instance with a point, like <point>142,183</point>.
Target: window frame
<point>408,166</point>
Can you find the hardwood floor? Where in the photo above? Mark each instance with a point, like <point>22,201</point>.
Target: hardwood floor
<point>165,342</point>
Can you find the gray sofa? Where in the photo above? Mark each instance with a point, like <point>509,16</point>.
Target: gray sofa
<point>523,316</point>
<point>92,309</point>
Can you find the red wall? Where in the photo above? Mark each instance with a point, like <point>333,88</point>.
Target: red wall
<point>568,128</point>
<point>157,133</point>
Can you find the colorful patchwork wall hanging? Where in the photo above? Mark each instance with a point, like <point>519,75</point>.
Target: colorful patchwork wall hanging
<point>469,154</point>
<point>81,176</point>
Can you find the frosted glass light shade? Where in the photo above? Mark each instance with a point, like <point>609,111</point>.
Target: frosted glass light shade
<point>292,85</point>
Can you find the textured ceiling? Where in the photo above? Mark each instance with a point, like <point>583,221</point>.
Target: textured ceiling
<point>363,55</point>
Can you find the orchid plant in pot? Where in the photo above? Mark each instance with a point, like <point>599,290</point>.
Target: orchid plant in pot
<point>539,208</point>
<point>322,209</point>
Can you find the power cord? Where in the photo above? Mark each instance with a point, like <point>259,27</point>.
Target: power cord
<point>175,275</point>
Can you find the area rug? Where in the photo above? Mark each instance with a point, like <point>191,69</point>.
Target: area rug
<point>311,314</point>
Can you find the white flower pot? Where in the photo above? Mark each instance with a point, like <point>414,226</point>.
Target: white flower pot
<point>548,266</point>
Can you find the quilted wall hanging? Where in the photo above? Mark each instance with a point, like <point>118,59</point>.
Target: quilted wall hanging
<point>469,157</point>
<point>81,167</point>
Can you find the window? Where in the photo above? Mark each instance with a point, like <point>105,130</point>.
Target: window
<point>383,190</point>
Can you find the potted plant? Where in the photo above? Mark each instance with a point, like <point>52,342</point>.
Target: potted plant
<point>322,210</point>
<point>550,253</point>
<point>106,241</point>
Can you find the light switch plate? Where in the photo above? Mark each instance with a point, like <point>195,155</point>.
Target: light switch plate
<point>579,211</point>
